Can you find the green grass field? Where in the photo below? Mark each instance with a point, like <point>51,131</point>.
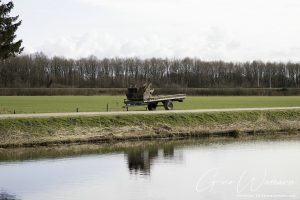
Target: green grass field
<point>46,104</point>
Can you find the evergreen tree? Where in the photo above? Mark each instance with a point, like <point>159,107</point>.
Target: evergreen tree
<point>8,27</point>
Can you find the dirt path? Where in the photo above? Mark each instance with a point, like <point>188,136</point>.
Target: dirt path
<point>45,115</point>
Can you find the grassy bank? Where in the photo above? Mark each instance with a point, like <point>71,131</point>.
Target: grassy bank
<point>48,131</point>
<point>47,104</point>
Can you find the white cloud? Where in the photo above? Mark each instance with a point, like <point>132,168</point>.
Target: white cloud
<point>210,29</point>
<point>211,45</point>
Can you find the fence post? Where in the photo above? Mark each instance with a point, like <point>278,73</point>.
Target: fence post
<point>76,109</point>
<point>106,107</point>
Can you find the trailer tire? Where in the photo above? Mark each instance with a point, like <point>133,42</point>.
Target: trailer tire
<point>168,105</point>
<point>152,106</point>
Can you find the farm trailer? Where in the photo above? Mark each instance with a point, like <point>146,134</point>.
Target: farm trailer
<point>144,96</point>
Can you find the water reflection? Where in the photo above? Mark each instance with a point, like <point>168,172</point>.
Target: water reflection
<point>139,160</point>
<point>6,196</point>
<point>143,170</point>
<point>42,153</point>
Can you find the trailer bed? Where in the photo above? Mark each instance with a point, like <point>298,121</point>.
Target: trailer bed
<point>158,98</point>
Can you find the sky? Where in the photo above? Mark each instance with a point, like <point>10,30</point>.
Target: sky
<point>230,30</point>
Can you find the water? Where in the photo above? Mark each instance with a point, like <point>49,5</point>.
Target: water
<point>154,170</point>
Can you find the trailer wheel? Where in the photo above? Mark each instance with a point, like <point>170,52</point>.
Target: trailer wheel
<point>152,106</point>
<point>168,105</point>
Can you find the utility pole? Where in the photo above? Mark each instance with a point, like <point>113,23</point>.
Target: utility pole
<point>270,78</point>
<point>258,77</point>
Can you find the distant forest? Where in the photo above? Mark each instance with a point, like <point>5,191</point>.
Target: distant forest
<point>39,71</point>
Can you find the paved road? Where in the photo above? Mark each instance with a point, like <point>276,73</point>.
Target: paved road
<point>45,115</point>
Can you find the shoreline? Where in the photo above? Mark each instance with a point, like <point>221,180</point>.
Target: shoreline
<point>51,131</point>
<point>241,136</point>
<point>76,150</point>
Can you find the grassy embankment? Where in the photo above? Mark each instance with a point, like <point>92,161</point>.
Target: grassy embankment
<point>47,104</point>
<point>66,130</point>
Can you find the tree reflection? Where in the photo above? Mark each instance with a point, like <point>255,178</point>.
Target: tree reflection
<point>6,196</point>
<point>140,159</point>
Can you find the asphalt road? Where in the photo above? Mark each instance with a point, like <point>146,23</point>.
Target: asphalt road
<point>46,115</point>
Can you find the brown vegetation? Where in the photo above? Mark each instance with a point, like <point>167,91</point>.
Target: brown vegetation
<point>54,131</point>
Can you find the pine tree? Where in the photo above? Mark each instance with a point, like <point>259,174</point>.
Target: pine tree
<point>8,27</point>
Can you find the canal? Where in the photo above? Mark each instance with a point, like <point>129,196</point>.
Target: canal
<point>187,169</point>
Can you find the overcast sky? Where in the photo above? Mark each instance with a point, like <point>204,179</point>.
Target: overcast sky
<point>231,30</point>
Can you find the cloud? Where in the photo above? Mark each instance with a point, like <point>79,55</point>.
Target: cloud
<point>236,30</point>
<point>210,44</point>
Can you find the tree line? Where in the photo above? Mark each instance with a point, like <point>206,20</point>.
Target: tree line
<point>40,71</point>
